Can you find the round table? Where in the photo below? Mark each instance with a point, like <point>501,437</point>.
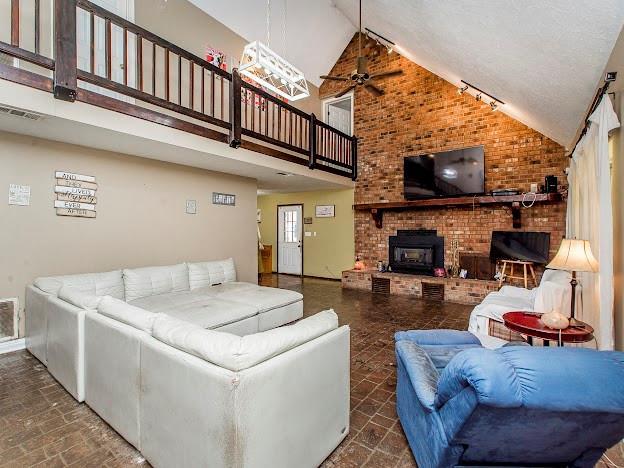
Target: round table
<point>531,325</point>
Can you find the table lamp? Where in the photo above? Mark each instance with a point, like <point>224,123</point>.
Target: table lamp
<point>574,255</point>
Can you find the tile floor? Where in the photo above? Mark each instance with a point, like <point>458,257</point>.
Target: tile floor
<point>41,425</point>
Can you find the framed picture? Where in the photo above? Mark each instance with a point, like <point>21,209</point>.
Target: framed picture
<point>325,211</point>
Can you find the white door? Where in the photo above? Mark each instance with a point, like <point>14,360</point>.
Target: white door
<point>125,9</point>
<point>338,113</point>
<point>290,226</point>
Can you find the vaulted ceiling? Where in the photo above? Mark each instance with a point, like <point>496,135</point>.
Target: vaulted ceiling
<point>544,59</point>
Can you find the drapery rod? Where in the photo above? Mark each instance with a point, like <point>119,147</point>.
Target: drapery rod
<point>601,92</point>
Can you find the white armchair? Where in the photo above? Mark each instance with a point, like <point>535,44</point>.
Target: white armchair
<point>553,292</point>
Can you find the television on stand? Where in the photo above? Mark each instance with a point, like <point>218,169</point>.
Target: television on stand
<point>445,174</point>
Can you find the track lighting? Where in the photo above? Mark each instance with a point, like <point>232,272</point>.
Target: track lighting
<point>390,49</point>
<point>493,102</point>
<point>380,41</point>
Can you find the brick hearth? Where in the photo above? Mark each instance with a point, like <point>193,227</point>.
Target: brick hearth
<point>460,291</point>
<point>419,113</point>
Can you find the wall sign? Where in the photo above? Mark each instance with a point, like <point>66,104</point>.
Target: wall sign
<point>223,199</point>
<point>19,194</point>
<point>75,195</point>
<point>325,211</point>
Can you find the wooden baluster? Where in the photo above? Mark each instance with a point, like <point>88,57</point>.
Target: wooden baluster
<point>139,40</point>
<point>166,74</point>
<point>290,129</point>
<point>212,93</point>
<point>191,84</point>
<point>312,142</point>
<point>253,110</point>
<point>179,79</point>
<point>37,26</point>
<point>203,89</point>
<point>222,99</point>
<point>153,68</point>
<point>245,97</point>
<point>108,50</point>
<point>279,122</point>
<point>15,22</point>
<point>125,56</point>
<point>92,43</point>
<point>266,116</point>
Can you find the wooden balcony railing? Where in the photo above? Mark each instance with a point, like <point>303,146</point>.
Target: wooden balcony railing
<point>105,60</point>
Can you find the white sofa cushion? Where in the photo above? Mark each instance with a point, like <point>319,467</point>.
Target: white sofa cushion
<point>97,284</point>
<point>204,274</point>
<point>150,281</point>
<point>237,353</point>
<point>128,314</point>
<point>79,299</point>
<point>199,309</point>
<point>262,297</point>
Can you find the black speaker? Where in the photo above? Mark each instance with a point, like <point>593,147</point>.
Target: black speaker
<point>550,185</point>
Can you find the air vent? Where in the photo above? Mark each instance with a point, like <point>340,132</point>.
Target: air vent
<point>19,113</point>
<point>380,285</point>
<point>433,291</point>
<point>8,319</point>
<point>7,60</point>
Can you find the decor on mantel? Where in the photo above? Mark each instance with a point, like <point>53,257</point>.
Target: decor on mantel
<point>264,66</point>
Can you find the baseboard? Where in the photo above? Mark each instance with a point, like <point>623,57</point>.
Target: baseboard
<point>13,345</point>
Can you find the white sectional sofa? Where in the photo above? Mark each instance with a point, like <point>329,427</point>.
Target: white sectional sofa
<point>205,294</point>
<point>187,396</point>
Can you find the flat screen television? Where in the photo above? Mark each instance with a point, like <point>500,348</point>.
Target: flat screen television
<point>525,246</point>
<point>446,174</point>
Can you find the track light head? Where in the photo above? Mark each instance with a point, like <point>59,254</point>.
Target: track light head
<point>390,49</point>
<point>494,106</point>
<point>478,97</point>
<point>462,90</point>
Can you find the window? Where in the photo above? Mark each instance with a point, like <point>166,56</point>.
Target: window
<point>290,226</point>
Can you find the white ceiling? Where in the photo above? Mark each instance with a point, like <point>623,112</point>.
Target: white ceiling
<point>543,58</point>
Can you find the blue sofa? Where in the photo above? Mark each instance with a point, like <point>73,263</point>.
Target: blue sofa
<point>461,404</point>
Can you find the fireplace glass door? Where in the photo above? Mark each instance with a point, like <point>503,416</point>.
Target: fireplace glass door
<point>414,256</point>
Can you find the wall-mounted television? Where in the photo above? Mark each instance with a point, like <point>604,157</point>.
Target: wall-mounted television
<point>446,174</point>
<point>525,246</point>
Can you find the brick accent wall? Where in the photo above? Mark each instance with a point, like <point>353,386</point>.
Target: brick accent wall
<point>420,113</point>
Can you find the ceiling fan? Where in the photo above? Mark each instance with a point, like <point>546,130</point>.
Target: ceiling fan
<point>360,76</point>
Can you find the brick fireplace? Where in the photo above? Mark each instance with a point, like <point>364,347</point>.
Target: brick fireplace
<point>421,113</point>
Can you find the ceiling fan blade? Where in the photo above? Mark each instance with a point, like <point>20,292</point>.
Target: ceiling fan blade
<point>345,91</point>
<point>335,78</point>
<point>374,90</point>
<point>387,73</point>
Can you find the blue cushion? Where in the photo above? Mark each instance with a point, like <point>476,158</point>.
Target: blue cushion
<point>514,405</point>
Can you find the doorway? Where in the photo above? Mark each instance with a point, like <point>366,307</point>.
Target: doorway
<point>290,239</point>
<point>338,113</point>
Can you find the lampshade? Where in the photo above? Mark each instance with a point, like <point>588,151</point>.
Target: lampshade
<point>574,255</point>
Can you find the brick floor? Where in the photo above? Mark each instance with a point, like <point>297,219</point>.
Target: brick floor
<point>42,425</point>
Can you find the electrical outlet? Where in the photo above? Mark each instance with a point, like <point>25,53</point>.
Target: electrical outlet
<point>191,206</point>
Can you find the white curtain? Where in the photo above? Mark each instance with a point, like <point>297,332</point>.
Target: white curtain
<point>590,217</point>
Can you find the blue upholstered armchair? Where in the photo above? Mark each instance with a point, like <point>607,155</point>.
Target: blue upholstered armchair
<point>462,404</point>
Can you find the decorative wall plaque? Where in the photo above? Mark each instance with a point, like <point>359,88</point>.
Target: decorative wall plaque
<point>75,195</point>
<point>223,199</point>
<point>325,211</point>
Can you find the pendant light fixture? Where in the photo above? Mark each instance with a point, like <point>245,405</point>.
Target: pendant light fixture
<point>267,68</point>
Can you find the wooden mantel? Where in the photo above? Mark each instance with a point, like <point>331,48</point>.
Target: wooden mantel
<point>514,201</point>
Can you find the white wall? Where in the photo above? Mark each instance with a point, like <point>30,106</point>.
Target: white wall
<point>141,217</point>
<point>617,151</point>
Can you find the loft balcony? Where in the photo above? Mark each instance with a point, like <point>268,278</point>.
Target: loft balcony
<point>103,60</point>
